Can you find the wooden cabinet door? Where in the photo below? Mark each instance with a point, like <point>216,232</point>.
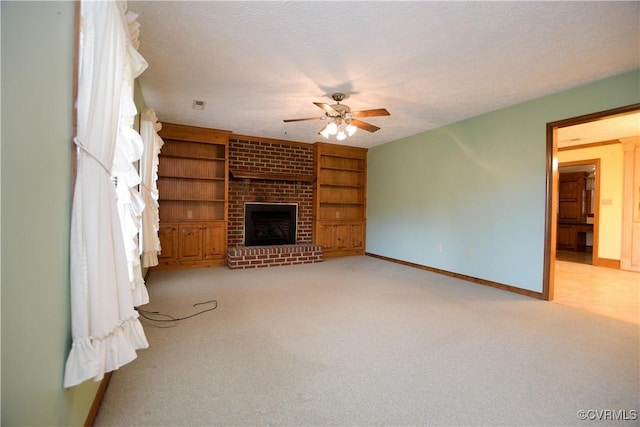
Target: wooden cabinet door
<point>324,236</point>
<point>214,240</point>
<point>356,235</point>
<point>571,188</point>
<point>341,236</point>
<point>568,211</point>
<point>168,235</point>
<point>566,237</point>
<point>190,242</point>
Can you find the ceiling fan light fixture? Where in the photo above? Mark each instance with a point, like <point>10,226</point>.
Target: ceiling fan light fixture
<point>325,132</point>
<point>332,128</point>
<point>341,121</point>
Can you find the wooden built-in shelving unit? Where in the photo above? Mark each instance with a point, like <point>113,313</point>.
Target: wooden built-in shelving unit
<point>193,174</point>
<point>574,209</point>
<point>340,199</point>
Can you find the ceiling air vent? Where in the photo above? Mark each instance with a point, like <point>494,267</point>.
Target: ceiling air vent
<point>198,105</point>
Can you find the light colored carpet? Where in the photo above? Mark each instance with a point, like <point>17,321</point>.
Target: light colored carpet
<point>362,341</point>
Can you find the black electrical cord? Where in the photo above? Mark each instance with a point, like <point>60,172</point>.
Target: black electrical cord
<point>149,315</point>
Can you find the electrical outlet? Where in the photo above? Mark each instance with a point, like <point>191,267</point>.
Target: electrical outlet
<point>440,248</point>
<point>468,252</point>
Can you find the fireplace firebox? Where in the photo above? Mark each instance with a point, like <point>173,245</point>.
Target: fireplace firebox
<point>270,224</point>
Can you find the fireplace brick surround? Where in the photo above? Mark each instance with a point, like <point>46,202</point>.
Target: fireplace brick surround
<point>242,257</point>
<point>283,161</point>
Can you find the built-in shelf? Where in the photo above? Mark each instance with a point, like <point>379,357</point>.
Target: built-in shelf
<point>201,178</point>
<point>244,174</point>
<point>340,199</point>
<point>193,194</point>
<point>342,186</point>
<point>347,169</point>
<point>193,157</point>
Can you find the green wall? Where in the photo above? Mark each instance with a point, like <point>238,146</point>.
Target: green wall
<point>469,198</point>
<point>37,81</point>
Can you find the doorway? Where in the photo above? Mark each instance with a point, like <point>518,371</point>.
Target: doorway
<point>552,199</point>
<point>577,228</point>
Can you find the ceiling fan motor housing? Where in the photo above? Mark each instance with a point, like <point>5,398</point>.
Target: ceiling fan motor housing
<point>337,97</point>
<point>343,110</point>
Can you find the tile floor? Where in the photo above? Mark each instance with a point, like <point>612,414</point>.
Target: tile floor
<point>606,291</point>
<point>583,257</point>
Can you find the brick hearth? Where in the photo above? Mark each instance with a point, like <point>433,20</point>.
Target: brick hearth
<point>271,256</point>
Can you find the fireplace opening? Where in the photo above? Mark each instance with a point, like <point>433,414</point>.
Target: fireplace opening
<point>270,224</point>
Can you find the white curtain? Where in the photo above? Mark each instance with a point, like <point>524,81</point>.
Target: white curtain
<point>149,128</point>
<point>129,148</point>
<point>105,327</point>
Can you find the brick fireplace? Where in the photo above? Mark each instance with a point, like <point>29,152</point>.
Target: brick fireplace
<point>266,171</point>
<point>268,224</point>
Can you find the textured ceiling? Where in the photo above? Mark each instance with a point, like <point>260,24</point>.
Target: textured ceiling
<point>428,63</point>
<point>611,128</point>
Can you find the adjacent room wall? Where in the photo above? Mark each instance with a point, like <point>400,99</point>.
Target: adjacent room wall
<point>37,85</point>
<point>611,175</point>
<point>469,198</point>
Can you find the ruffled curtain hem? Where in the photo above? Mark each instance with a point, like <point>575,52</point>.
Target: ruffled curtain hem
<point>91,357</point>
<point>150,259</point>
<point>139,292</point>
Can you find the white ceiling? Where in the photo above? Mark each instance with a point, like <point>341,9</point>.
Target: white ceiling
<point>608,129</point>
<point>428,63</point>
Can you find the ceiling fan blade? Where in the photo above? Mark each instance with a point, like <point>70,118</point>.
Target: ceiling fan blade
<point>363,125</point>
<point>302,120</point>
<point>371,113</point>
<point>327,108</point>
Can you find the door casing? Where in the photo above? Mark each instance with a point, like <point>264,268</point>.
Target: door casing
<point>551,204</point>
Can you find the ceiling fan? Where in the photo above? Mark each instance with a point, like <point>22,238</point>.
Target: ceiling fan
<point>341,121</point>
